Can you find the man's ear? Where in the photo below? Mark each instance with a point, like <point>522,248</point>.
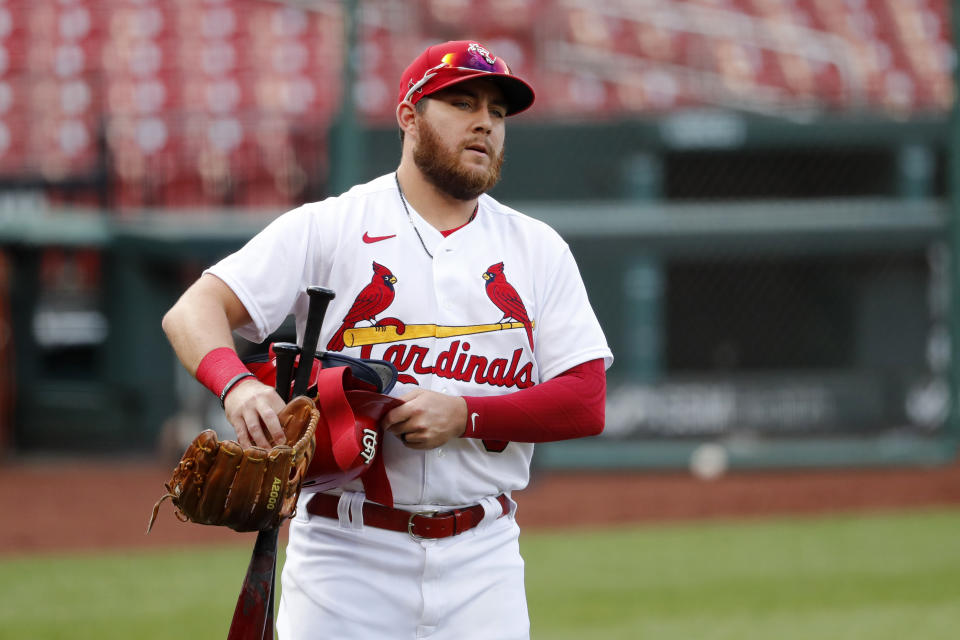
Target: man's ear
<point>407,117</point>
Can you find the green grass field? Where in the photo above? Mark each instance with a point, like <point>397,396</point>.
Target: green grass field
<point>875,577</point>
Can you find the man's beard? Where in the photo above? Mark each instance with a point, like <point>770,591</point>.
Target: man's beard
<point>444,170</point>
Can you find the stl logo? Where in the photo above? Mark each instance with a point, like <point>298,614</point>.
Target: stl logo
<point>369,445</point>
<point>481,51</point>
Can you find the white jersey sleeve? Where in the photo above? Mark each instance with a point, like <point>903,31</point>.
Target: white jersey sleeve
<point>272,271</point>
<point>569,333</point>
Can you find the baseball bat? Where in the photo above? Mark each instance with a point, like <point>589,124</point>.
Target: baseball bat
<point>253,615</point>
<point>319,300</point>
<point>286,353</point>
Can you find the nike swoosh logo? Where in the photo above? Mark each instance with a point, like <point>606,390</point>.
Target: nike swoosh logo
<point>371,239</point>
<point>473,421</point>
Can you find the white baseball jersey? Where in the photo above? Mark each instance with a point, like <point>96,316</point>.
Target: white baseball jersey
<point>435,318</point>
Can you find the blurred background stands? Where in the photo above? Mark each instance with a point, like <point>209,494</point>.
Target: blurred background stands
<point>756,190</point>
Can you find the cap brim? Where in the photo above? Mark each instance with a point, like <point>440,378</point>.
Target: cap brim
<point>518,93</point>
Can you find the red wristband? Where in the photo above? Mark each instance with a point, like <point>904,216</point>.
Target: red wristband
<point>218,368</point>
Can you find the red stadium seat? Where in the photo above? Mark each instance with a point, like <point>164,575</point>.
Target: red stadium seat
<point>63,147</point>
<point>14,146</point>
<point>169,78</point>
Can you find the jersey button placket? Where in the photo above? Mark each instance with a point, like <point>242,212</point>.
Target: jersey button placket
<point>441,266</point>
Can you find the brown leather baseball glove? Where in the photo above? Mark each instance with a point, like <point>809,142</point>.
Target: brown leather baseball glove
<point>221,483</point>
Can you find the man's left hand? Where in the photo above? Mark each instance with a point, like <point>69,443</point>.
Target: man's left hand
<point>427,419</point>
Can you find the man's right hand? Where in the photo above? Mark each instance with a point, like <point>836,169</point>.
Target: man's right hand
<point>252,408</point>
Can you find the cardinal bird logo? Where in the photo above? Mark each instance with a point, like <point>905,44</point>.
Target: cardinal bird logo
<point>502,294</point>
<point>373,299</point>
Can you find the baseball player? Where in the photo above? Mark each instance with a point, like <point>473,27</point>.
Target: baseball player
<point>483,312</point>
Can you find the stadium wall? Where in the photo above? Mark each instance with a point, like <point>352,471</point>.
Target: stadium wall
<point>778,291</point>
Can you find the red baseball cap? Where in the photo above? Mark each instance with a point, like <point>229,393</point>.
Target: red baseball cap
<point>449,63</point>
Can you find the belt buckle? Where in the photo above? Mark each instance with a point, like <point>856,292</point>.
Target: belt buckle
<point>414,514</point>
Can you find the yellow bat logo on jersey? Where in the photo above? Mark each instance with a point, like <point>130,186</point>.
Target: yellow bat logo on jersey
<point>388,333</point>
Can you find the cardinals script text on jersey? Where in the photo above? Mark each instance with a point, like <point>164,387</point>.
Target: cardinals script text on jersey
<point>455,363</point>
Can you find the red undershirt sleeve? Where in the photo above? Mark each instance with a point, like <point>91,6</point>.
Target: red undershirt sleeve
<point>570,405</point>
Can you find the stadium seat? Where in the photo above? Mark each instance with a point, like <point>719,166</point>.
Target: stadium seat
<point>150,70</point>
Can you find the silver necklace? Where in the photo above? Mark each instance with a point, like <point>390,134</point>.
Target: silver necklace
<point>403,201</point>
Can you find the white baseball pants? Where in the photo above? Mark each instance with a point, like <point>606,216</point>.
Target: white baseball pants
<point>345,581</point>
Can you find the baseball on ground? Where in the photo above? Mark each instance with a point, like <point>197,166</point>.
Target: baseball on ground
<point>709,461</point>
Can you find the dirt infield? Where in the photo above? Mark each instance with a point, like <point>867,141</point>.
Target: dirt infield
<point>81,505</point>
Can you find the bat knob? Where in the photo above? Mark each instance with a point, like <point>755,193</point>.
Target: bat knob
<point>321,292</point>
<point>285,347</point>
